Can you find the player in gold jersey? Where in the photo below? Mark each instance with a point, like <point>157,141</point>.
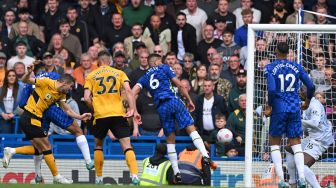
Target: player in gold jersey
<point>103,95</point>
<point>46,93</point>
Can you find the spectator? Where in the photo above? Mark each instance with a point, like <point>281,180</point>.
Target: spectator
<point>197,83</point>
<point>184,37</point>
<point>82,71</point>
<point>78,28</point>
<point>208,42</point>
<point>93,53</point>
<point>186,84</point>
<point>319,4</point>
<point>195,17</point>
<point>120,63</point>
<point>59,61</point>
<point>3,59</point>
<point>236,123</point>
<point>220,123</point>
<point>118,31</point>
<point>207,6</point>
<point>189,71</point>
<point>331,93</point>
<point>35,47</point>
<point>158,50</point>
<point>231,151</point>
<point>159,33</point>
<point>222,86</point>
<point>266,9</point>
<point>86,14</point>
<point>236,91</point>
<point>246,5</point>
<point>20,70</point>
<point>171,59</point>
<point>178,71</point>
<point>9,95</point>
<point>160,10</point>
<point>70,41</point>
<point>136,13</point>
<point>139,49</point>
<point>207,106</point>
<point>69,59</point>
<point>220,27</point>
<point>102,14</point>
<point>7,26</point>
<point>318,75</point>
<point>222,13</point>
<point>50,19</point>
<point>228,47</point>
<point>149,3</point>
<point>218,59</point>
<point>56,44</point>
<point>21,49</point>
<point>292,18</point>
<point>33,28</point>
<point>210,53</point>
<point>230,73</point>
<point>49,64</point>
<point>280,10</point>
<point>240,37</point>
<point>174,7</point>
<point>133,41</point>
<point>151,125</point>
<point>141,70</point>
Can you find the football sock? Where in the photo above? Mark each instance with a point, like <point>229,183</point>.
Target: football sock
<point>291,168</point>
<point>198,142</point>
<point>311,177</point>
<point>131,161</point>
<point>84,147</point>
<point>98,161</point>
<point>25,150</point>
<point>37,163</point>
<point>50,160</point>
<point>276,157</point>
<point>173,157</point>
<point>299,160</point>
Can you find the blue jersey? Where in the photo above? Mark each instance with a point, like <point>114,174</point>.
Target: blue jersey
<point>157,81</point>
<point>28,88</point>
<point>283,85</point>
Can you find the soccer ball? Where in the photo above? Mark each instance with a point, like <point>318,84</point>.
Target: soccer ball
<point>224,136</point>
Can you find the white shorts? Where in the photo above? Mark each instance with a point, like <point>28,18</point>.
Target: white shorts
<point>313,148</point>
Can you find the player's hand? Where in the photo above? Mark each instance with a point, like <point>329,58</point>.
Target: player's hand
<point>4,116</point>
<point>239,139</point>
<point>304,106</point>
<point>161,133</point>
<point>30,68</point>
<point>137,119</point>
<point>191,106</point>
<point>86,116</point>
<point>135,132</point>
<point>130,113</point>
<point>10,115</point>
<point>268,111</point>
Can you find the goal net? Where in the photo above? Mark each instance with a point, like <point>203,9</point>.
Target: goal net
<point>313,47</point>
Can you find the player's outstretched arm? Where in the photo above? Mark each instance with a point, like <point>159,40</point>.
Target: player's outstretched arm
<point>88,98</point>
<point>184,92</point>
<point>71,113</point>
<point>27,77</point>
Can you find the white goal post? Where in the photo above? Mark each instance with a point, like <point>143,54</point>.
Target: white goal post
<point>250,106</point>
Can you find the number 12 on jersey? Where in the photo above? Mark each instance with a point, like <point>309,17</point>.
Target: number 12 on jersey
<point>288,78</point>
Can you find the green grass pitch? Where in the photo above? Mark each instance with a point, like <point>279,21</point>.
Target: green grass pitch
<point>77,186</point>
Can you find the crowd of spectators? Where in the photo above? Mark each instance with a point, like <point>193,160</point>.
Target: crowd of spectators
<point>203,41</point>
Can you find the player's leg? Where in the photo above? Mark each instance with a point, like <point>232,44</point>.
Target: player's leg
<point>277,128</point>
<point>172,155</point>
<point>122,131</point>
<point>309,174</point>
<point>294,133</point>
<point>290,163</point>
<point>99,130</point>
<point>56,115</point>
<point>42,144</point>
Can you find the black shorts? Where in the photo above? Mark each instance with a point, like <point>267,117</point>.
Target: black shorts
<point>118,126</point>
<point>29,125</point>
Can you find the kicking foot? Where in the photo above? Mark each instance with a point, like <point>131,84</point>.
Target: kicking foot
<point>135,180</point>
<point>90,165</point>
<point>178,178</point>
<point>61,180</point>
<point>39,179</point>
<point>7,156</point>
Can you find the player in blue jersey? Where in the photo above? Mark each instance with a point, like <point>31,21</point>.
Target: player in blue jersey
<point>283,78</point>
<point>158,81</point>
<point>53,114</point>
